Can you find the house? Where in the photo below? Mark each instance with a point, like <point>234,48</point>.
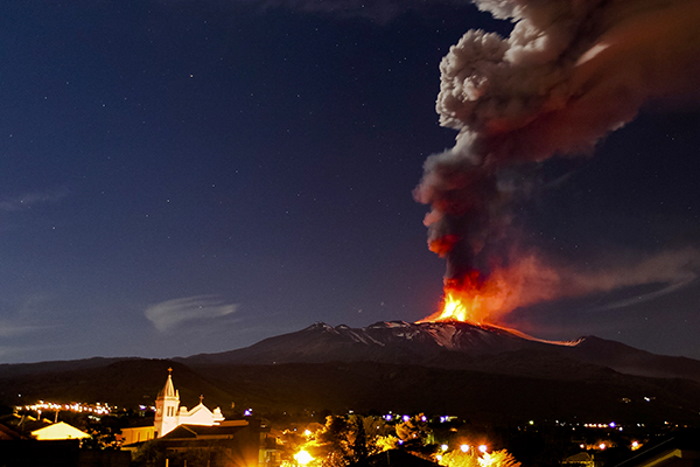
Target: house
<point>9,434</point>
<point>234,443</point>
<point>60,430</point>
<point>225,430</point>
<point>56,445</point>
<point>394,457</point>
<point>136,434</point>
<point>679,450</point>
<point>582,459</point>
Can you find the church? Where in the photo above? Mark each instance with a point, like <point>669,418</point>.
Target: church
<point>170,414</point>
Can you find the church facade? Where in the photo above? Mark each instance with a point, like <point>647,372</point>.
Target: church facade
<point>170,414</point>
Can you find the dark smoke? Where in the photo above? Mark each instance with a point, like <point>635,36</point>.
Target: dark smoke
<point>570,72</point>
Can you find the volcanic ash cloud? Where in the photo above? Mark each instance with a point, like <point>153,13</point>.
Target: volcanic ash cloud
<point>570,72</point>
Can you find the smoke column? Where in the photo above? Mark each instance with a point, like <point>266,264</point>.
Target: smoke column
<point>570,72</point>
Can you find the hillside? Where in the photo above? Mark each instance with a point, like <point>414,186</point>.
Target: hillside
<point>476,372</point>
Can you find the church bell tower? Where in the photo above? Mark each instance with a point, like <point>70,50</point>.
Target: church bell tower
<point>167,405</point>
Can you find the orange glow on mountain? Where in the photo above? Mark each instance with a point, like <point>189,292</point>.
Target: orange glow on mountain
<point>471,300</point>
<point>458,305</point>
<point>455,309</point>
<point>483,301</point>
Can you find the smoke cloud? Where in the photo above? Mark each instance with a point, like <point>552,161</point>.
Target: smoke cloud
<point>529,280</point>
<point>570,72</point>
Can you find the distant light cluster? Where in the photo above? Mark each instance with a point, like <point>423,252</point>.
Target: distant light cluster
<point>77,407</point>
<point>393,417</point>
<point>612,425</point>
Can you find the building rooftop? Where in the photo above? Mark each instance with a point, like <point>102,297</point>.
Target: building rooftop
<point>681,447</point>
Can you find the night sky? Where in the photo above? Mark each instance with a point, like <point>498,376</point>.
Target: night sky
<point>179,177</point>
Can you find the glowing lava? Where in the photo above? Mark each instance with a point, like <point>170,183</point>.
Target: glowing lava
<point>482,302</point>
<point>470,300</point>
<point>486,298</point>
<point>458,306</point>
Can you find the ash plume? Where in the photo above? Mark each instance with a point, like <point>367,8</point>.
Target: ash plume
<point>569,73</point>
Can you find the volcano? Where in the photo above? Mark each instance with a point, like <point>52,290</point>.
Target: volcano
<point>426,343</point>
<point>454,345</point>
<point>482,372</point>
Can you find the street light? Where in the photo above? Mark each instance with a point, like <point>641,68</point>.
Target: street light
<point>303,457</point>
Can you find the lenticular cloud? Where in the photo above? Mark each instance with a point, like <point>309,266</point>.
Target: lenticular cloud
<point>171,314</point>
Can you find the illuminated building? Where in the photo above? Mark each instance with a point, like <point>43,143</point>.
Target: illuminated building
<point>60,430</point>
<point>170,414</point>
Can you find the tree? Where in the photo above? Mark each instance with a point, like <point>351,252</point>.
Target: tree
<point>500,458</point>
<point>412,432</point>
<point>378,434</point>
<point>458,458</point>
<point>333,443</point>
<point>359,445</point>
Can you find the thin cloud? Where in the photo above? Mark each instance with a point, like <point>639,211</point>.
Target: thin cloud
<point>7,351</point>
<point>20,338</point>
<point>31,199</point>
<point>8,329</point>
<point>673,269</point>
<point>170,314</point>
<point>379,11</point>
<point>639,299</point>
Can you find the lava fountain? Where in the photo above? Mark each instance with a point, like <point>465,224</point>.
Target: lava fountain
<point>479,303</point>
<point>477,298</point>
<point>468,300</point>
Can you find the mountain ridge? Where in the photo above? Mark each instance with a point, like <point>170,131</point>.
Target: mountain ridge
<point>447,345</point>
<point>480,372</point>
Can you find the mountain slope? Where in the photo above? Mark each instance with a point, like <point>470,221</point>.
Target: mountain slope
<point>370,387</point>
<point>454,345</point>
<point>127,382</point>
<point>477,372</point>
<point>487,397</point>
<point>394,341</point>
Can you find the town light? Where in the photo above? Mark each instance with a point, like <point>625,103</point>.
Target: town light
<point>483,448</point>
<point>303,457</point>
<point>464,447</point>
